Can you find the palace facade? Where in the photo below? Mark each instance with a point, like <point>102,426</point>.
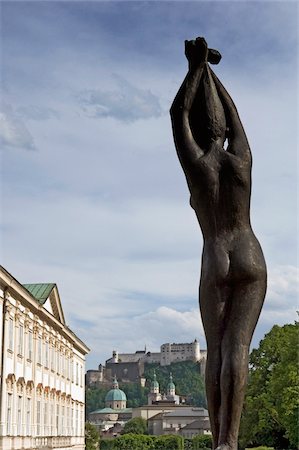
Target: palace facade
<point>42,370</point>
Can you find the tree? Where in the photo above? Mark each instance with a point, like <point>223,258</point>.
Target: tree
<point>95,398</point>
<point>91,437</point>
<point>270,415</point>
<point>138,425</point>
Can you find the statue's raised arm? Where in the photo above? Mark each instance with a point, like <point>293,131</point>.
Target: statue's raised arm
<point>233,273</point>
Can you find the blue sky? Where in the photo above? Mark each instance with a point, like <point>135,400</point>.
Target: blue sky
<point>92,194</point>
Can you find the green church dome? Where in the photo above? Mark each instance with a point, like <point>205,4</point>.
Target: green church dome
<point>115,395</point>
<point>171,385</point>
<point>155,383</point>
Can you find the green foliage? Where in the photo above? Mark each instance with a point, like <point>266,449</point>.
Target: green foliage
<point>138,425</point>
<point>203,441</point>
<point>187,379</point>
<point>142,442</point>
<point>107,444</point>
<point>91,437</point>
<point>136,394</point>
<point>262,448</point>
<point>270,415</point>
<point>188,444</point>
<point>169,442</point>
<point>95,398</point>
<point>134,442</point>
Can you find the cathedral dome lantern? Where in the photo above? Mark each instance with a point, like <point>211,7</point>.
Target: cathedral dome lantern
<point>115,383</point>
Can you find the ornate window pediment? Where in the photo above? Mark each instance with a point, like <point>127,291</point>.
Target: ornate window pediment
<point>29,387</point>
<point>20,385</point>
<point>10,380</point>
<point>52,392</point>
<point>47,391</point>
<point>39,389</point>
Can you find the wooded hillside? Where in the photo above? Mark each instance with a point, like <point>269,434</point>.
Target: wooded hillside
<point>186,377</point>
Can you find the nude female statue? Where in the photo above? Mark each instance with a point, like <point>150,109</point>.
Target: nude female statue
<point>233,272</point>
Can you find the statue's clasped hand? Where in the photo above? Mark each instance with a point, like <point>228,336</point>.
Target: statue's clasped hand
<point>197,52</point>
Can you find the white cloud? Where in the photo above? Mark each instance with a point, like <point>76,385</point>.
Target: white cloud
<point>13,132</point>
<point>126,103</point>
<point>152,329</point>
<point>36,112</point>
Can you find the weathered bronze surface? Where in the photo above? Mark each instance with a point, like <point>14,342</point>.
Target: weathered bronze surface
<point>233,272</point>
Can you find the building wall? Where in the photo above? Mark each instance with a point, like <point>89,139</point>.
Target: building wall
<point>175,421</point>
<point>180,352</point>
<point>42,382</point>
<point>126,371</point>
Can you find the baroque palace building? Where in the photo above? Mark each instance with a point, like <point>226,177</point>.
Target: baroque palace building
<point>42,370</point>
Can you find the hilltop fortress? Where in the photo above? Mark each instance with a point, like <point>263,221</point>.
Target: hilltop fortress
<point>129,367</point>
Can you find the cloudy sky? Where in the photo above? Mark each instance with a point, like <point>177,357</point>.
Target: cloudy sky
<point>92,194</point>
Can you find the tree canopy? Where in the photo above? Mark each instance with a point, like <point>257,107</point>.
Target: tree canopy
<point>270,415</point>
<point>91,436</point>
<point>137,425</point>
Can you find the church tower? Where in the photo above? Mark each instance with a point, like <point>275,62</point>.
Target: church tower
<point>154,393</point>
<point>171,395</point>
<point>170,387</point>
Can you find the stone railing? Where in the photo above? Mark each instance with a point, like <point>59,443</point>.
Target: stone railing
<point>53,442</point>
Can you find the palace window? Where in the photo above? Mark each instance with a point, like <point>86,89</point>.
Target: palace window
<point>20,339</point>
<point>58,361</point>
<point>39,350</point>
<point>9,414</point>
<point>46,418</point>
<point>67,420</point>
<point>38,417</point>
<point>81,421</point>
<point>10,334</point>
<point>28,416</point>
<point>62,420</point>
<point>72,370</point>
<point>30,345</point>
<point>81,375</point>
<point>46,354</point>
<point>72,418</point>
<point>52,419</point>
<point>61,364</point>
<point>57,420</point>
<point>77,421</point>
<point>19,416</point>
<point>77,373</point>
<point>52,357</point>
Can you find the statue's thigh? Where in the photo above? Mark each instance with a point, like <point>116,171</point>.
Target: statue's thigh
<point>213,300</point>
<point>246,303</point>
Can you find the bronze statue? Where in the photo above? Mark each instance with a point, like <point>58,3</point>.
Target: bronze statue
<point>233,272</point>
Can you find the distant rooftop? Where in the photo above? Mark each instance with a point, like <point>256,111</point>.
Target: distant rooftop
<point>202,412</point>
<point>40,291</point>
<point>112,411</point>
